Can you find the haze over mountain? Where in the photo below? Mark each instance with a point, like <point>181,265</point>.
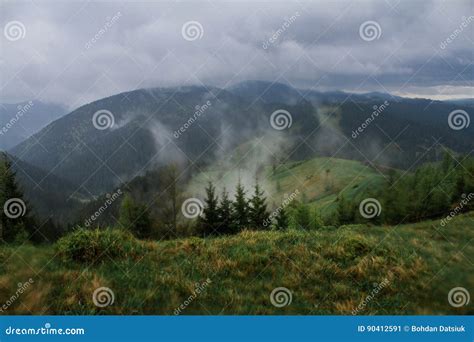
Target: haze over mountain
<point>129,45</point>
<point>200,126</point>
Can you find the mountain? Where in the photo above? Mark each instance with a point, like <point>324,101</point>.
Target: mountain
<point>50,195</point>
<point>151,128</point>
<point>462,102</point>
<point>20,120</point>
<point>266,92</point>
<point>207,127</point>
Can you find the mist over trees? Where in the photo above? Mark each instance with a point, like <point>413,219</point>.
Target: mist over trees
<point>432,190</point>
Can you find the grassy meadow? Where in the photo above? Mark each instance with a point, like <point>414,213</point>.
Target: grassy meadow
<point>328,271</point>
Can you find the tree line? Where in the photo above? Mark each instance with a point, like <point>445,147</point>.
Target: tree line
<point>17,223</point>
<point>432,190</point>
<point>222,215</point>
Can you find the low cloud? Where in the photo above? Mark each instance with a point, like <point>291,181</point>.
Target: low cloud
<point>321,47</point>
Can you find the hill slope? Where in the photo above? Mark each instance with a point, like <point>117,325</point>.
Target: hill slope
<point>328,272</point>
<point>146,133</point>
<point>147,122</point>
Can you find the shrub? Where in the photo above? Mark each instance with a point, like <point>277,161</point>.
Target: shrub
<point>91,246</point>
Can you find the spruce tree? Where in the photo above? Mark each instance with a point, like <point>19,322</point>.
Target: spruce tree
<point>302,216</point>
<point>209,221</point>
<point>172,197</point>
<point>281,220</point>
<point>135,217</point>
<point>394,201</point>
<point>240,215</point>
<point>14,219</point>
<point>258,209</point>
<point>225,214</point>
<point>345,211</point>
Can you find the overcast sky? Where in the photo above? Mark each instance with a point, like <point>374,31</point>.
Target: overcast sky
<point>74,52</point>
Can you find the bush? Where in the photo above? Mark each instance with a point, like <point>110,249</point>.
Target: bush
<point>92,246</point>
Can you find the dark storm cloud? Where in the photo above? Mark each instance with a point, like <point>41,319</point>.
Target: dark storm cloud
<point>76,52</point>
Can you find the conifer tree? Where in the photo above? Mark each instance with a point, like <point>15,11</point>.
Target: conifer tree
<point>14,210</point>
<point>281,219</point>
<point>258,209</point>
<point>302,216</point>
<point>225,214</point>
<point>345,211</point>
<point>209,220</point>
<point>240,214</point>
<point>135,217</point>
<point>170,199</point>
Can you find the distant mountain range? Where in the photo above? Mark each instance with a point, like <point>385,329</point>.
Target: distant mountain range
<point>198,126</point>
<point>462,102</point>
<point>51,196</point>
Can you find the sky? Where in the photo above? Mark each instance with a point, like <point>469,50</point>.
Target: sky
<point>75,52</point>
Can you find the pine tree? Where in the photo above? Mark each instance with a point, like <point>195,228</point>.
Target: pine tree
<point>394,201</point>
<point>225,214</point>
<point>209,221</point>
<point>302,216</point>
<point>170,199</point>
<point>14,219</point>
<point>258,209</point>
<point>281,219</point>
<point>345,211</point>
<point>240,215</point>
<point>448,162</point>
<point>135,218</point>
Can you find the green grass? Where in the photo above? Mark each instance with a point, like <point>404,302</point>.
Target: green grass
<point>328,272</point>
<point>315,185</point>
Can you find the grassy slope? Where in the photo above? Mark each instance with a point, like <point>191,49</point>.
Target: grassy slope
<point>328,272</point>
<point>318,187</point>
